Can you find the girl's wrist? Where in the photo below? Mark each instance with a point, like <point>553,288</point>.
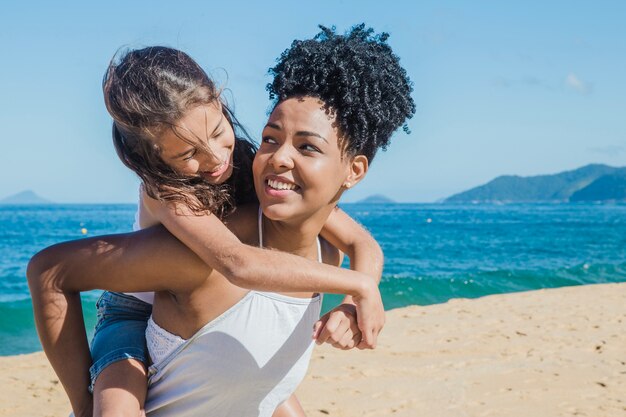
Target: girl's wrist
<point>364,288</point>
<point>348,299</point>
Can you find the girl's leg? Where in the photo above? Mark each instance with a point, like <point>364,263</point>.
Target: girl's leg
<point>119,353</point>
<point>290,408</point>
<point>120,390</point>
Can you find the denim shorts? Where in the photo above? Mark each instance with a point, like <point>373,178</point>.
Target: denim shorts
<point>120,332</point>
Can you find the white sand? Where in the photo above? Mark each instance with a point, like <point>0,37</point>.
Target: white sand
<point>558,352</point>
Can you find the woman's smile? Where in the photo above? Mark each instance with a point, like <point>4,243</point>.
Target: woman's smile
<point>279,186</point>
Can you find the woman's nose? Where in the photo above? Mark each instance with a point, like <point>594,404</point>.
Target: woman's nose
<point>282,158</point>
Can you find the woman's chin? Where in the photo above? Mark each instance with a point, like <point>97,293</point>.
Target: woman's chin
<point>277,212</point>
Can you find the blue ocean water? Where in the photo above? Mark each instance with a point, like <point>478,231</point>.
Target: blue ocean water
<point>432,252</point>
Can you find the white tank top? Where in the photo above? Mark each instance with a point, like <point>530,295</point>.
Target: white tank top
<point>243,363</point>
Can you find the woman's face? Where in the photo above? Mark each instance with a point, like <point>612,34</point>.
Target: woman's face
<point>184,146</point>
<point>299,167</point>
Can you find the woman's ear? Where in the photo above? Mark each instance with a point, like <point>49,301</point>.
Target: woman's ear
<point>358,168</point>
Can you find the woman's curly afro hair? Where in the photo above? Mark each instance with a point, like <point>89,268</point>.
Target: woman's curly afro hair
<point>357,77</point>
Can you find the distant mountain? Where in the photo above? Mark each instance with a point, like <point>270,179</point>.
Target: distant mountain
<point>593,182</point>
<point>25,197</point>
<point>376,199</point>
<point>610,187</point>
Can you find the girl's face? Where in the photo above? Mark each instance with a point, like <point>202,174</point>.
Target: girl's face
<point>184,146</point>
<point>299,167</point>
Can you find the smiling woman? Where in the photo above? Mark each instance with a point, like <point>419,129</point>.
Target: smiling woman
<point>300,160</point>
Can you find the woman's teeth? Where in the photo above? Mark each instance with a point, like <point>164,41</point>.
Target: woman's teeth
<point>277,185</point>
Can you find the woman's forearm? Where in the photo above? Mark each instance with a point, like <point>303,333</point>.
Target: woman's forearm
<point>61,329</point>
<point>57,274</point>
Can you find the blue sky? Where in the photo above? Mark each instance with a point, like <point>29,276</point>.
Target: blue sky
<point>501,88</point>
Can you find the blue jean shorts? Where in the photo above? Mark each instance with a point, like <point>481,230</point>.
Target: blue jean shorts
<point>120,332</point>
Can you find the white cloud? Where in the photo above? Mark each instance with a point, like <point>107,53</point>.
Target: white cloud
<point>573,82</point>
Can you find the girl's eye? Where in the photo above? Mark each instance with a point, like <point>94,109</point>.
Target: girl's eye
<point>191,155</point>
<point>218,134</point>
<point>270,140</point>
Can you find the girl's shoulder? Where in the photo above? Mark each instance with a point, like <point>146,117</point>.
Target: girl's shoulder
<point>243,222</point>
<point>155,210</point>
<point>145,217</point>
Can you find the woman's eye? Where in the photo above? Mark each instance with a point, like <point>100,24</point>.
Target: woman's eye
<point>309,148</point>
<point>218,134</point>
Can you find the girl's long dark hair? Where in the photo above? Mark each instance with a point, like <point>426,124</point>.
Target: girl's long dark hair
<point>149,90</point>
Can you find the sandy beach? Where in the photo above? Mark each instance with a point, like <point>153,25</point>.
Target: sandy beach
<point>558,352</point>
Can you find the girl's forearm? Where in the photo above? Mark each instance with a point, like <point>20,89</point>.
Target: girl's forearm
<point>365,254</point>
<point>366,257</point>
<point>344,233</point>
<point>264,270</point>
<point>251,267</point>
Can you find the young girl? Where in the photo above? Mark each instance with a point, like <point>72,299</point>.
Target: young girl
<point>171,127</point>
<point>224,350</point>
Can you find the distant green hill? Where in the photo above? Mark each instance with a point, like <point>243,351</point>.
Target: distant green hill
<point>376,199</point>
<point>25,197</point>
<point>594,182</point>
<point>610,187</point>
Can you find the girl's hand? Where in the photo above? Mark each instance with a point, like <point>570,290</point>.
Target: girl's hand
<point>338,327</point>
<point>370,313</point>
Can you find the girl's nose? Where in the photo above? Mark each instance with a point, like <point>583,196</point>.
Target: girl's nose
<point>209,158</point>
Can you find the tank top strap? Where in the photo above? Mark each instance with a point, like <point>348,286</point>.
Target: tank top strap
<point>260,227</point>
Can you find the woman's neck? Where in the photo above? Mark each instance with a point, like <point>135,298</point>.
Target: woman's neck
<point>297,237</point>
